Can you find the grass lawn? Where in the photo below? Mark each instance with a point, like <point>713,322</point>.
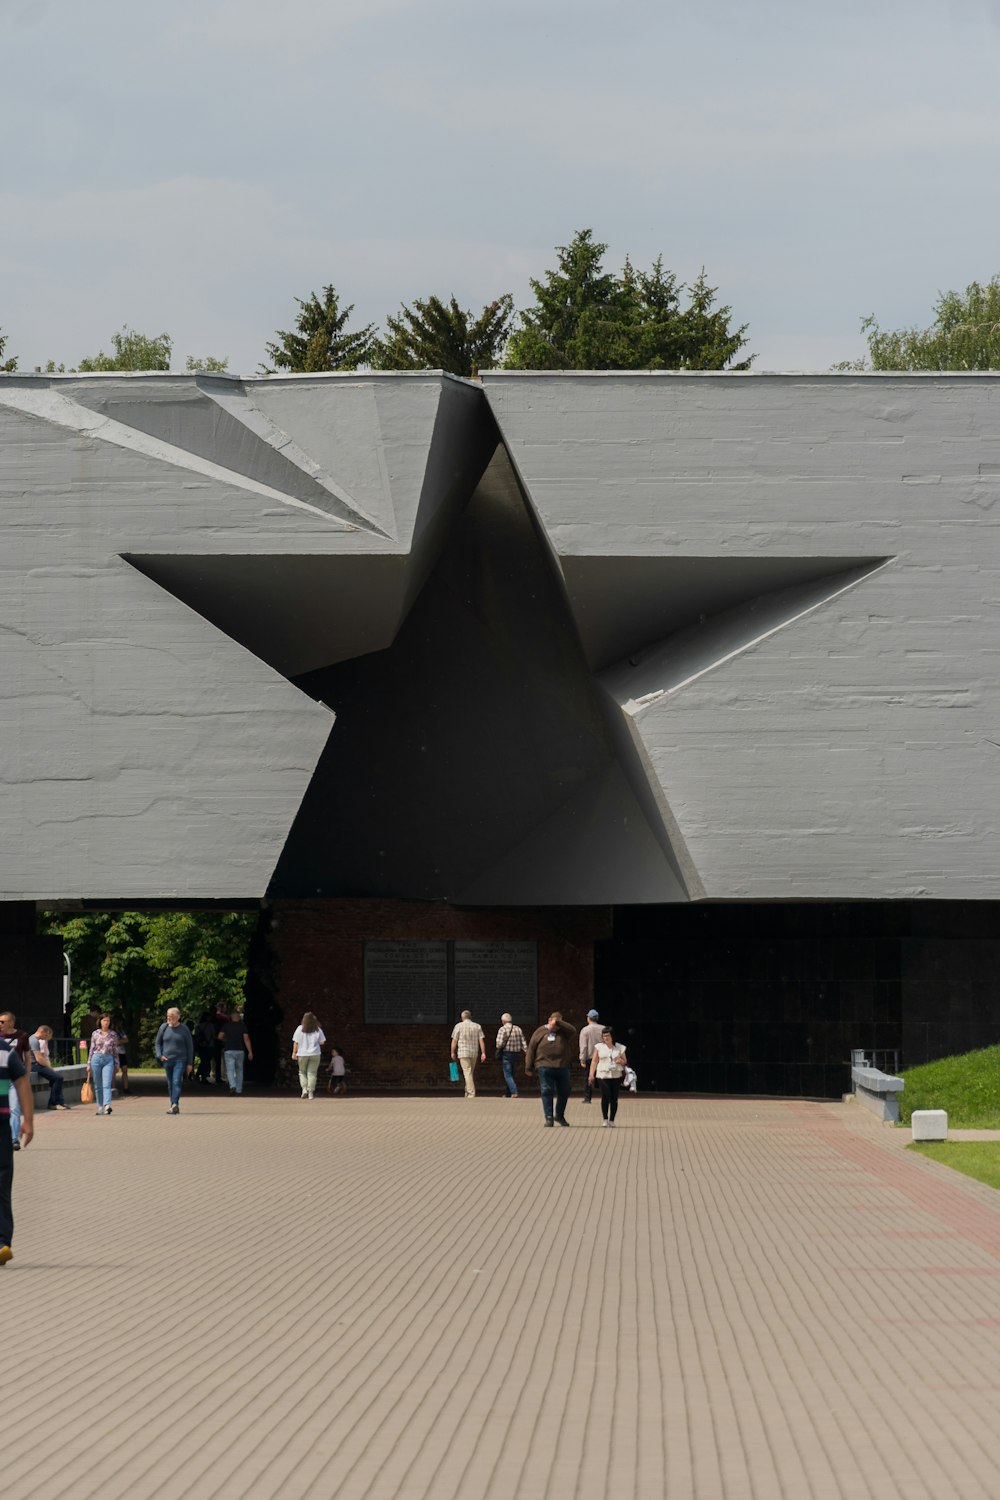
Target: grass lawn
<point>978,1159</point>
<point>967,1086</point>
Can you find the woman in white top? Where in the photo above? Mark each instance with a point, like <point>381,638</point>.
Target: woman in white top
<point>608,1066</point>
<point>307,1046</point>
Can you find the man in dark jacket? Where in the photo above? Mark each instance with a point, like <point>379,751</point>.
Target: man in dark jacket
<point>550,1055</point>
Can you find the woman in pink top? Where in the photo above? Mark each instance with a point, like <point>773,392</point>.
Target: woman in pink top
<point>102,1060</point>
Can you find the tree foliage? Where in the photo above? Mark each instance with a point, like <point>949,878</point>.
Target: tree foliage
<point>320,340</point>
<point>10,366</point>
<point>132,351</point>
<point>585,318</point>
<point>965,335</point>
<point>135,964</point>
<point>206,364</point>
<point>436,335</point>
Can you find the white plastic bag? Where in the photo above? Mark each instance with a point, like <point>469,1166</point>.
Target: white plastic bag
<point>630,1081</point>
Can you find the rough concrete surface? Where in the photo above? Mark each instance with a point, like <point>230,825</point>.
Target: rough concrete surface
<point>421,1298</point>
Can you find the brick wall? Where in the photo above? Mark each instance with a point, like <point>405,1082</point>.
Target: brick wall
<point>317,948</point>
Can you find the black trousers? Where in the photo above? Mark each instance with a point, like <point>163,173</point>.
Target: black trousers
<point>610,1089</point>
<point>6,1181</point>
<point>588,1087</point>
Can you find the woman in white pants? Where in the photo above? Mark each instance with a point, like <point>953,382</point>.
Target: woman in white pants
<point>307,1047</point>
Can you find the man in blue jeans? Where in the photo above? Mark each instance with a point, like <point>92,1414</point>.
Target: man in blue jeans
<point>235,1046</point>
<point>550,1054</point>
<point>175,1049</point>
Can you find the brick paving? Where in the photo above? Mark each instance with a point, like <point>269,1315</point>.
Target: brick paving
<point>414,1297</point>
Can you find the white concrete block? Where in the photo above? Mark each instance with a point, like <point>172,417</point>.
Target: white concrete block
<point>929,1124</point>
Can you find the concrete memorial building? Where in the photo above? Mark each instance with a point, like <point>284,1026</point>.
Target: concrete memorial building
<point>674,693</point>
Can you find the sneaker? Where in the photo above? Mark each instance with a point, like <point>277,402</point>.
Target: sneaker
<point>170,1109</point>
<point>108,1110</point>
<point>175,1109</point>
<point>312,1096</point>
<point>586,1101</point>
<point>304,1094</point>
<point>99,1111</point>
<point>605,1123</point>
<point>612,1124</point>
<point>6,1254</point>
<point>560,1120</point>
<point>64,1106</point>
<point>15,1145</point>
<point>549,1124</point>
<point>232,1091</point>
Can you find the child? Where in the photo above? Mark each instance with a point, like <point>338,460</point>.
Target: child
<point>337,1084</point>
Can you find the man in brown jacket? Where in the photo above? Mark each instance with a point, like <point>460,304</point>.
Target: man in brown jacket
<point>550,1054</point>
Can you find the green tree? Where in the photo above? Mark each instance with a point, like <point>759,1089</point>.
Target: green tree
<point>320,340</point>
<point>208,364</point>
<point>132,351</point>
<point>136,964</point>
<point>965,335</point>
<point>669,336</point>
<point>584,318</point>
<point>436,335</point>
<point>11,364</point>
<point>581,316</point>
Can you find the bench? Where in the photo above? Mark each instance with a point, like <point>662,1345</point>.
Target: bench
<point>878,1092</point>
<point>72,1078</point>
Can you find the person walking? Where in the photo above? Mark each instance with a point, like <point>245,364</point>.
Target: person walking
<point>205,1040</point>
<point>102,1062</point>
<point>121,1078</point>
<point>608,1066</point>
<point>338,1073</point>
<point>550,1053</point>
<point>41,1064</point>
<point>235,1047</point>
<point>17,1041</point>
<point>468,1046</point>
<point>307,1049</point>
<point>590,1035</point>
<point>510,1046</point>
<point>174,1047</point>
<point>13,1079</point>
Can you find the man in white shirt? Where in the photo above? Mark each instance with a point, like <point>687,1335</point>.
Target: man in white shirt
<point>468,1046</point>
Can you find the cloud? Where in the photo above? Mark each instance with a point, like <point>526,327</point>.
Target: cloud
<point>637,133</point>
<point>215,263</point>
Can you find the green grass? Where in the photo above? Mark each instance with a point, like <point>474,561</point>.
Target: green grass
<point>978,1159</point>
<point>967,1086</point>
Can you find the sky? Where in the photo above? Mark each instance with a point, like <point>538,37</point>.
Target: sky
<point>194,166</point>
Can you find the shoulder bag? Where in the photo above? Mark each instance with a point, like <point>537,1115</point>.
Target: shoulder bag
<point>498,1052</point>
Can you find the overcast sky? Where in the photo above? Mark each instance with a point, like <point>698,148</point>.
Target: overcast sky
<point>193,166</point>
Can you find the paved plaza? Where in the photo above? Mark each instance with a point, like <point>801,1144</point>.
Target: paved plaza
<point>414,1297</point>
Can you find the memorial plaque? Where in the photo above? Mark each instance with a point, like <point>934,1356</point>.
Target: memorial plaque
<point>406,982</point>
<point>493,977</point>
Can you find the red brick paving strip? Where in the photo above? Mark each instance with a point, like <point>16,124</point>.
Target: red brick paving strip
<point>407,1298</point>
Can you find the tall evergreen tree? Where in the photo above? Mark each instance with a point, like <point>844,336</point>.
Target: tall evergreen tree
<point>584,318</point>
<point>581,315</point>
<point>436,335</point>
<point>320,341</point>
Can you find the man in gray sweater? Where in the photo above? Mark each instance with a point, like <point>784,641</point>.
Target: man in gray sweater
<point>550,1054</point>
<point>175,1049</point>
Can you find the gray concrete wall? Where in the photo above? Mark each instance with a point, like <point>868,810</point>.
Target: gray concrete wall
<point>744,644</point>
<point>815,739</point>
<point>145,752</point>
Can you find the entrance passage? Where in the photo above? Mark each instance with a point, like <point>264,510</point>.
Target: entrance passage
<point>771,999</point>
